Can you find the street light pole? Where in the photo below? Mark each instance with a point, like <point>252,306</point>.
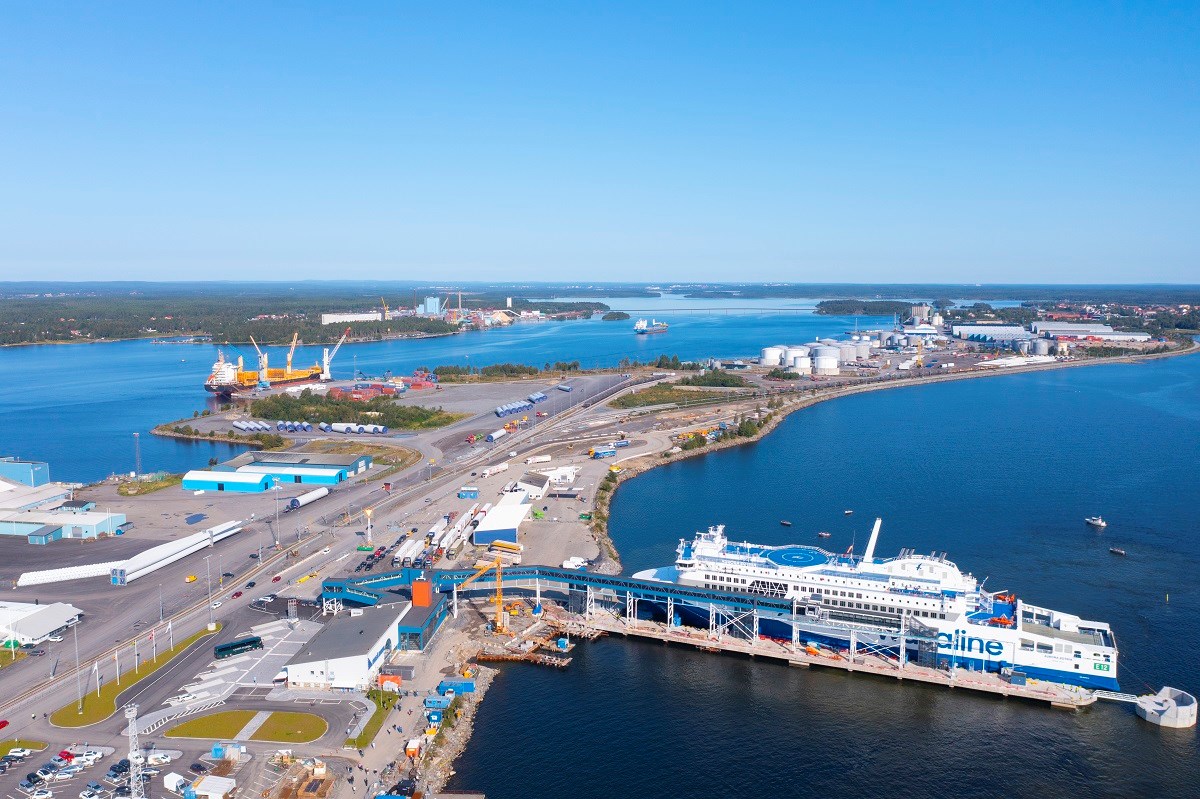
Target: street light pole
<point>208,577</point>
<point>275,530</point>
<point>78,687</point>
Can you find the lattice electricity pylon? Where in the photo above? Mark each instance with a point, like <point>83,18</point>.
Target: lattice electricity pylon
<point>136,789</point>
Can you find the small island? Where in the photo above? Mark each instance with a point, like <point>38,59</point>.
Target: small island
<point>614,316</point>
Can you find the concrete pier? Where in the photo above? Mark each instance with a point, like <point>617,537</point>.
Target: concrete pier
<point>1064,697</point>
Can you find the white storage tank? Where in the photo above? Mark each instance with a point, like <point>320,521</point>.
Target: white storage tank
<point>1041,346</point>
<point>795,351</point>
<point>847,353</point>
<point>772,356</point>
<point>862,348</point>
<point>825,365</point>
<point>828,342</point>
<point>801,364</point>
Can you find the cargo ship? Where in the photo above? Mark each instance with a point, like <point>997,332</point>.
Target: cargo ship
<point>642,327</point>
<point>231,377</point>
<point>921,606</point>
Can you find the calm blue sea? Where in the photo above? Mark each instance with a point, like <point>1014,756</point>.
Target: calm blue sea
<point>998,472</point>
<point>77,406</point>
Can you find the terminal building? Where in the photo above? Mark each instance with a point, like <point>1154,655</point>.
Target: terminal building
<point>348,654</point>
<point>22,623</point>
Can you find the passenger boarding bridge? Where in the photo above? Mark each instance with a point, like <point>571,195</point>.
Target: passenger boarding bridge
<point>586,593</point>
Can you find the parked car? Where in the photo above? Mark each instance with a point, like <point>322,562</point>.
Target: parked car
<point>20,752</point>
<point>55,639</point>
<point>122,790</point>
<point>88,794</point>
<point>42,793</point>
<point>4,765</point>
<point>37,653</point>
<point>159,759</point>
<point>198,768</point>
<point>150,771</point>
<point>95,787</point>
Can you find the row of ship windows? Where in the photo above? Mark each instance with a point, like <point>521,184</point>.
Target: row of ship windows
<point>882,608</point>
<point>723,578</point>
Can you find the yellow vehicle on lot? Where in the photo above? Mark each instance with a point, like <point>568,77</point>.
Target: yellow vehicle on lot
<point>191,578</point>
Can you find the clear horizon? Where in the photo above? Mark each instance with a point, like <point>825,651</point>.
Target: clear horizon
<point>1010,144</point>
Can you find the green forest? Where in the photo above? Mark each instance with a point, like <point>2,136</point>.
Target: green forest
<point>228,312</point>
<point>311,407</point>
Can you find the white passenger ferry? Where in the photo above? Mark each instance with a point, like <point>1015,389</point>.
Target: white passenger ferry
<point>921,603</point>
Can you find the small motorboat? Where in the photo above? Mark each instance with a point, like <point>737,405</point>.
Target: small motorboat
<point>823,534</point>
<point>848,512</point>
<point>785,522</point>
<point>1097,522</point>
<point>1116,550</point>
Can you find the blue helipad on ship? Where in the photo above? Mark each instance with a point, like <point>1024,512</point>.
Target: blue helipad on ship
<point>796,557</point>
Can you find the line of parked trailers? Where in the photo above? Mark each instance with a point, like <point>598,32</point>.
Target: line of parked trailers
<point>508,409</point>
<point>445,537</point>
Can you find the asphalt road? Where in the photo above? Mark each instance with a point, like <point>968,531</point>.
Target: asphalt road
<point>113,612</point>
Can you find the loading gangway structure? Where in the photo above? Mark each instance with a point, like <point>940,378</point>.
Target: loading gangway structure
<point>728,613</point>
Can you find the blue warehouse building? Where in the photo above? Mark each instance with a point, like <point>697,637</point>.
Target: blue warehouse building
<point>30,473</point>
<point>198,480</point>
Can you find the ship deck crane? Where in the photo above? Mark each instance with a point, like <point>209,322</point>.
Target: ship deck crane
<point>264,378</point>
<point>291,352</point>
<point>498,565</point>
<point>327,357</point>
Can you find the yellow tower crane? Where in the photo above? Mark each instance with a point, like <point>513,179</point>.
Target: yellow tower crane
<point>498,565</point>
<point>920,359</point>
<point>384,303</point>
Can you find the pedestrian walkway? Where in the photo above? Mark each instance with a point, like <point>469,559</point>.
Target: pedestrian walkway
<point>260,718</point>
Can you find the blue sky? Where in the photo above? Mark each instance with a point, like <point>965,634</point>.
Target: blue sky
<point>981,142</point>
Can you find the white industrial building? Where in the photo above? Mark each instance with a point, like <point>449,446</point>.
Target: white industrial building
<point>534,484</point>
<point>211,786</point>
<point>1087,330</point>
<point>991,332</point>
<point>33,624</point>
<point>343,318</point>
<point>561,475</point>
<point>348,653</point>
